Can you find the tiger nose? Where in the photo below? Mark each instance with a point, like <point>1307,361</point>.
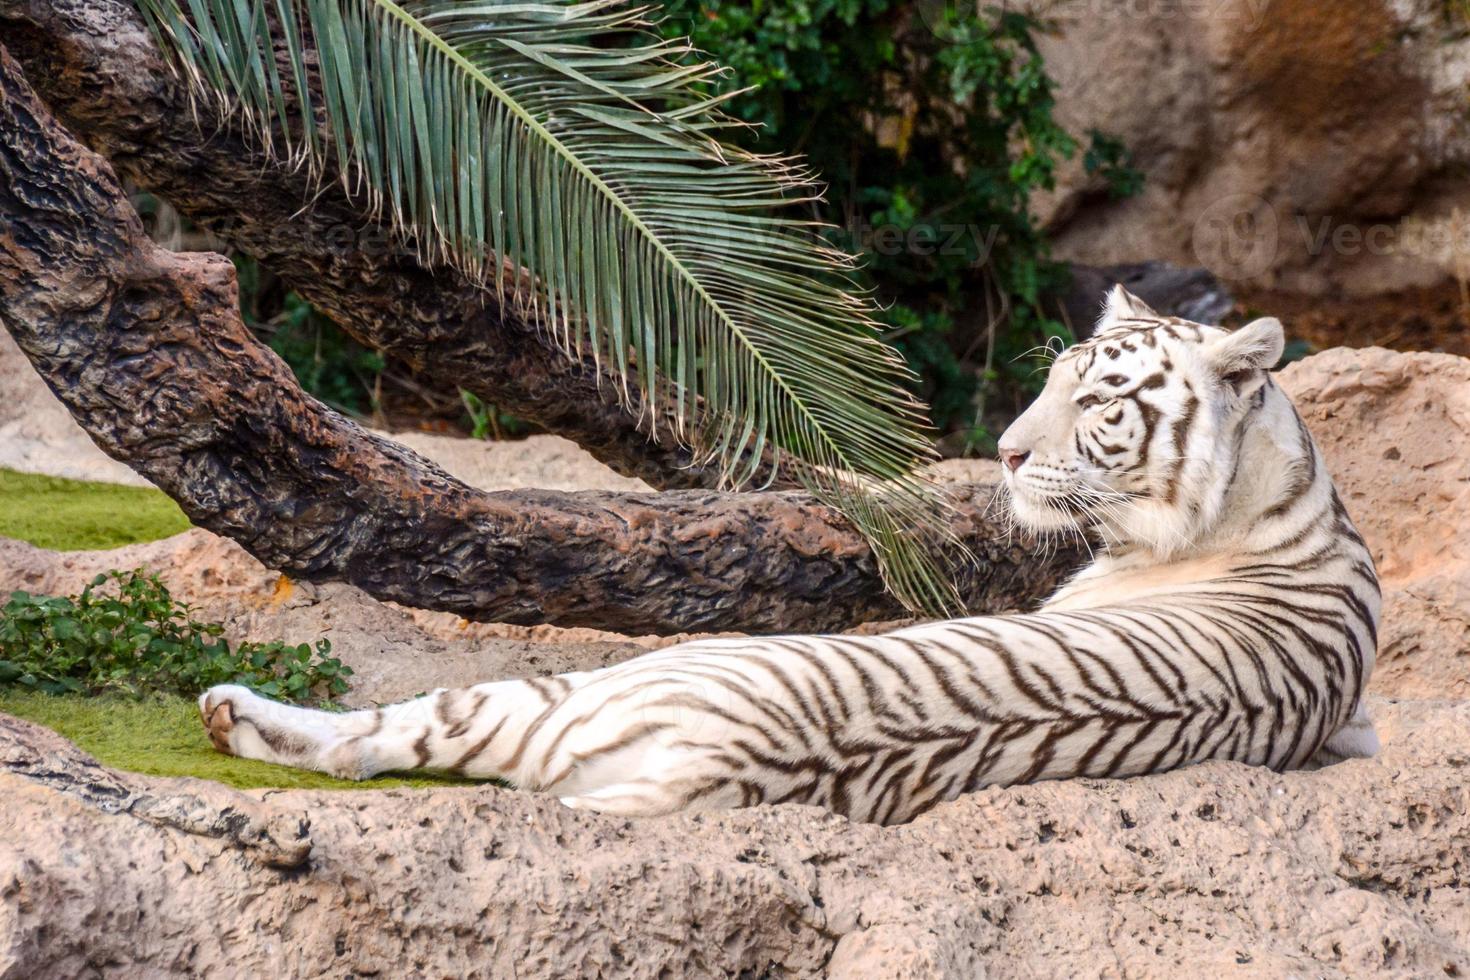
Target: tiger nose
<point>1013,459</point>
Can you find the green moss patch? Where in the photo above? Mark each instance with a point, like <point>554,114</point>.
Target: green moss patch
<point>162,736</point>
<point>69,515</point>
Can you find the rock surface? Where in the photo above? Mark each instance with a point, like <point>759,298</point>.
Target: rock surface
<point>1396,432</point>
<point>1220,869</point>
<point>1296,145</point>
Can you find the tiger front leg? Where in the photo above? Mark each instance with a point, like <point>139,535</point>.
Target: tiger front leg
<point>241,723</point>
<point>479,731</point>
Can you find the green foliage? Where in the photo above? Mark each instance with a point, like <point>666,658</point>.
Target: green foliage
<point>933,124</point>
<point>1108,157</point>
<point>125,633</point>
<point>70,515</point>
<point>161,735</point>
<point>488,421</point>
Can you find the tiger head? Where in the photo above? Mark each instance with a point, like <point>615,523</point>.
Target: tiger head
<point>1138,430</point>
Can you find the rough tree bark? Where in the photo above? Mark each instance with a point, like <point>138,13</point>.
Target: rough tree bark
<point>147,349</point>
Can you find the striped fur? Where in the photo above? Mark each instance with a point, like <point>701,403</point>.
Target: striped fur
<point>1231,613</point>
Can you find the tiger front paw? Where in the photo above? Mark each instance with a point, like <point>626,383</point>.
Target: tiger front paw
<point>219,707</point>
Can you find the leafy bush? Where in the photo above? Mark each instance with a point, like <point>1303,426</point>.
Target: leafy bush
<point>126,633</point>
<point>932,123</point>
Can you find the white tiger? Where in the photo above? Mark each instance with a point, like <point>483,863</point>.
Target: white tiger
<point>1231,613</point>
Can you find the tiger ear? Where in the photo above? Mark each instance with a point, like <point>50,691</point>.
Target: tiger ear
<point>1253,348</point>
<point>1123,305</point>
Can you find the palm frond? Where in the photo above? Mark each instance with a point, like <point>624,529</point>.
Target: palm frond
<point>566,140</point>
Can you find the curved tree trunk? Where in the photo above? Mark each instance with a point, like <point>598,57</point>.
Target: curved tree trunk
<point>147,349</point>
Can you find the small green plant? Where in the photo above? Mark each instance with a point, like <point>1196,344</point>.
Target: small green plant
<point>126,633</point>
<point>487,421</point>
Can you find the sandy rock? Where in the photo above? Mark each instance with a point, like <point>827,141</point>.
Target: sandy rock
<point>275,838</point>
<point>538,462</point>
<point>1260,123</point>
<point>1212,871</point>
<point>1396,432</point>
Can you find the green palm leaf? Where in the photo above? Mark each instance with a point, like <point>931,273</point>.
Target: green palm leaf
<point>565,140</point>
